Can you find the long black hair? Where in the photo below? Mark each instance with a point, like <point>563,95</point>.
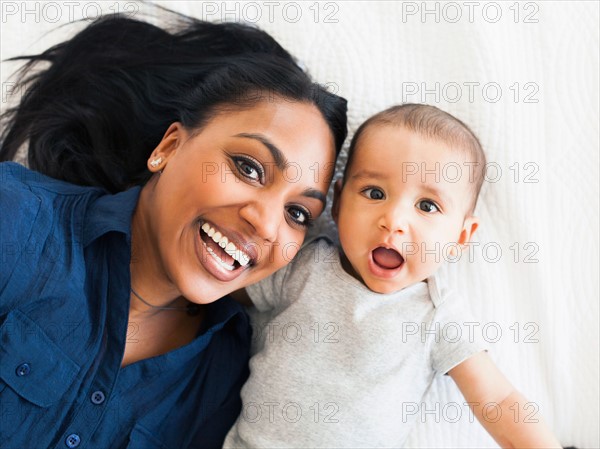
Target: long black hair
<point>96,113</point>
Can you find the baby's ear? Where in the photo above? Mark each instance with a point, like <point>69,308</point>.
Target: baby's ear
<point>335,207</point>
<point>469,227</point>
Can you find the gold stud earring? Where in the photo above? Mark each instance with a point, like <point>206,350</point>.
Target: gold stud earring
<point>156,162</point>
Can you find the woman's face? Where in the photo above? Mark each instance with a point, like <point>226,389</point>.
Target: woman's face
<point>233,202</point>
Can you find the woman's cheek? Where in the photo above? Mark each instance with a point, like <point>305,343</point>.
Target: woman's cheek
<point>288,247</point>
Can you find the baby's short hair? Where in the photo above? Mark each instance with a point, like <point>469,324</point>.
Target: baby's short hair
<point>433,123</point>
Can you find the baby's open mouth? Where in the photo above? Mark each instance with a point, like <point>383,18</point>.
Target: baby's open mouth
<point>386,258</point>
<point>226,253</point>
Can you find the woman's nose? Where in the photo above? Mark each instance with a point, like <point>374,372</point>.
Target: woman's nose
<point>265,217</point>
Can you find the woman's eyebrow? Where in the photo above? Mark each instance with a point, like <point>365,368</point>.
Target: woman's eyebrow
<point>314,193</point>
<point>280,160</point>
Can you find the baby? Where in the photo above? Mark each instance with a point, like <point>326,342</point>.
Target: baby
<point>349,340</point>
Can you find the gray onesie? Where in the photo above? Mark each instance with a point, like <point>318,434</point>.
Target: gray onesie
<point>337,365</point>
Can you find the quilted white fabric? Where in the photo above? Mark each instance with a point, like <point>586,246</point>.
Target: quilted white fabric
<point>524,76</point>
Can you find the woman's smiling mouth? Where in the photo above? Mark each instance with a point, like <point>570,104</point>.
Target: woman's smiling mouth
<point>229,248</point>
<point>220,256</point>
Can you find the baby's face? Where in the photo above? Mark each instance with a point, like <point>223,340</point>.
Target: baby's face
<point>402,211</point>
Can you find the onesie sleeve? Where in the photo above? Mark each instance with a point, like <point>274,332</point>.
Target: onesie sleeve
<point>266,294</point>
<point>283,287</point>
<point>457,335</point>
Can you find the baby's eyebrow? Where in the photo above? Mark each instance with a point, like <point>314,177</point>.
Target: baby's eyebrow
<point>280,160</point>
<point>364,173</point>
<point>446,199</point>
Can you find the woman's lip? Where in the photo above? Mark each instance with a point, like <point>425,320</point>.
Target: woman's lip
<point>210,265</point>
<point>237,239</point>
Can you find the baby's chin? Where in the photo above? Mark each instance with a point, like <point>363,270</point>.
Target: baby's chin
<point>385,287</point>
<point>392,285</point>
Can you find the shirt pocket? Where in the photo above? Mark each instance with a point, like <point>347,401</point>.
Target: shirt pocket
<point>142,438</point>
<point>33,366</point>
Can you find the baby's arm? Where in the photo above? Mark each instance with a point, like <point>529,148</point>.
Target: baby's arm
<point>481,383</point>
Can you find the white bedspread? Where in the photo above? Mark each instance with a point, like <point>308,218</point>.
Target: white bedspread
<point>524,76</point>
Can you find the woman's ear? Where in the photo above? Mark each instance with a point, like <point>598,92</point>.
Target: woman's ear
<point>335,207</point>
<point>166,148</point>
<point>469,227</point>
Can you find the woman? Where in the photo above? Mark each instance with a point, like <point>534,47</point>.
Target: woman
<point>111,334</point>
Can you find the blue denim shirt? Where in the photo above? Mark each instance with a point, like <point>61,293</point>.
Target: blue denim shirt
<point>64,301</point>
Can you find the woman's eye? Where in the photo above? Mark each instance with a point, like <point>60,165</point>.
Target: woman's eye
<point>427,206</point>
<point>374,193</point>
<point>300,216</point>
<point>248,168</point>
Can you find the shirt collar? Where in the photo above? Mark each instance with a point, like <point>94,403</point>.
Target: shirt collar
<point>223,310</point>
<point>110,213</point>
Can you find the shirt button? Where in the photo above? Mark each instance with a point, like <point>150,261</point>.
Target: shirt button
<point>23,369</point>
<point>98,397</point>
<point>73,440</point>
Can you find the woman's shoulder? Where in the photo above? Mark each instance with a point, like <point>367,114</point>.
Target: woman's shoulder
<point>29,198</point>
<point>40,217</point>
<point>20,204</point>
<point>15,195</point>
<point>19,180</point>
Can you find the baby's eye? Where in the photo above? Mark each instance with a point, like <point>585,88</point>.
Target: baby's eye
<point>249,168</point>
<point>428,206</point>
<point>374,193</point>
<point>300,216</point>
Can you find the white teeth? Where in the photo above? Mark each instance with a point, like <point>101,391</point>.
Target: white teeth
<point>228,246</point>
<point>237,254</point>
<point>223,243</point>
<point>218,259</point>
<point>241,258</point>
